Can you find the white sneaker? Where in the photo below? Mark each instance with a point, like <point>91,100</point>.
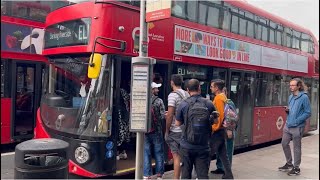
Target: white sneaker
<point>146,177</point>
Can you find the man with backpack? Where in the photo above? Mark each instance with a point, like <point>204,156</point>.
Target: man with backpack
<point>218,138</point>
<point>154,137</point>
<point>194,116</point>
<point>173,132</point>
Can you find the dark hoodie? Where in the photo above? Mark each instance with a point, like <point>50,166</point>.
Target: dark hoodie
<point>299,110</point>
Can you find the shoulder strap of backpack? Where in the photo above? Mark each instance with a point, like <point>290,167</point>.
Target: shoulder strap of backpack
<point>154,98</point>
<point>180,94</point>
<point>185,116</point>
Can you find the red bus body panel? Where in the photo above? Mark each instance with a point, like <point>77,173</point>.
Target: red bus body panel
<point>5,121</point>
<point>76,169</point>
<point>39,131</point>
<point>268,123</point>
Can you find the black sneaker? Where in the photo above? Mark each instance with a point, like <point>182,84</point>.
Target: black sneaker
<point>286,167</point>
<point>227,177</point>
<point>294,171</point>
<point>217,171</point>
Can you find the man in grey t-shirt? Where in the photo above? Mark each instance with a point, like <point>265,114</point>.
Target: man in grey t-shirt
<point>173,132</point>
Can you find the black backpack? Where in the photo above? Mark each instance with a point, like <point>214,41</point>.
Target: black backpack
<point>154,119</point>
<point>197,127</point>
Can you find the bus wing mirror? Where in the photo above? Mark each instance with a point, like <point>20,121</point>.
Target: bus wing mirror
<point>94,65</point>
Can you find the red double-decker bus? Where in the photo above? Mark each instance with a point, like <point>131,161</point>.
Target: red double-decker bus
<point>22,32</point>
<point>255,52</point>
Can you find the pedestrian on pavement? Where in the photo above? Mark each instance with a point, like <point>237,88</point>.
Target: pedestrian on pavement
<point>154,138</point>
<point>194,113</point>
<point>298,111</point>
<point>229,146</point>
<point>218,137</point>
<point>173,132</point>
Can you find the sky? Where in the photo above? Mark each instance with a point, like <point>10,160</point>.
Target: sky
<point>301,12</point>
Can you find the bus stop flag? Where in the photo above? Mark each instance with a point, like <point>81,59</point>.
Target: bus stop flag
<point>158,9</point>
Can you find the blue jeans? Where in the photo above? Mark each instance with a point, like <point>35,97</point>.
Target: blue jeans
<point>230,148</point>
<point>155,141</point>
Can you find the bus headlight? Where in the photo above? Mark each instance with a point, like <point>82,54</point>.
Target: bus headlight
<point>82,155</point>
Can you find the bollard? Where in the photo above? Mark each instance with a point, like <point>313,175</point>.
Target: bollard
<point>41,159</point>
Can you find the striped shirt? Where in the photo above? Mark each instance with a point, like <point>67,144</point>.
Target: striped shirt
<point>174,100</point>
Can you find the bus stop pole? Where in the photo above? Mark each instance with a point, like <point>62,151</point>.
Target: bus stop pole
<point>143,52</point>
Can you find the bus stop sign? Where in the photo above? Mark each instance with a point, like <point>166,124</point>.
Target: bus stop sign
<point>141,69</point>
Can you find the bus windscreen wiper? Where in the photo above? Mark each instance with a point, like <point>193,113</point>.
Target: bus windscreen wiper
<point>67,60</point>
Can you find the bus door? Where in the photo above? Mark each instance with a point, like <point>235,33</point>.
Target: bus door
<point>161,75</point>
<point>26,90</point>
<point>314,104</point>
<point>125,157</point>
<point>241,89</point>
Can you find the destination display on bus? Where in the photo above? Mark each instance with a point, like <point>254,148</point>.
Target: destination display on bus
<point>68,33</point>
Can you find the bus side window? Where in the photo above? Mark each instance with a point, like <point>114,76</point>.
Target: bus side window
<point>178,8</point>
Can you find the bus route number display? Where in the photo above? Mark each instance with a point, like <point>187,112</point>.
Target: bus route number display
<point>139,98</point>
